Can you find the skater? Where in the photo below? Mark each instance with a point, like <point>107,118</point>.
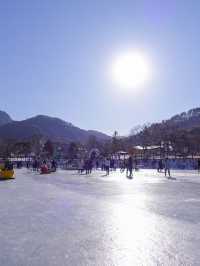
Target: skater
<point>198,165</point>
<point>80,166</point>
<point>53,166</point>
<point>122,166</point>
<point>136,165</point>
<point>86,167</point>
<point>90,165</point>
<point>111,164</point>
<point>167,167</point>
<point>28,164</point>
<point>97,165</point>
<point>35,165</point>
<point>160,166</point>
<point>130,167</point>
<point>107,166</point>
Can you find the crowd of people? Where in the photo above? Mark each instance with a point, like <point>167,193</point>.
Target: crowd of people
<point>127,165</point>
<point>132,164</point>
<point>107,164</point>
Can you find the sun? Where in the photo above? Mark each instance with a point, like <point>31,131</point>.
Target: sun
<point>131,70</point>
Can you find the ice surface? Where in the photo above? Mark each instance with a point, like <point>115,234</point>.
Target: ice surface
<point>67,219</point>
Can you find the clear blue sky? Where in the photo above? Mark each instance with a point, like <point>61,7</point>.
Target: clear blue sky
<point>54,58</point>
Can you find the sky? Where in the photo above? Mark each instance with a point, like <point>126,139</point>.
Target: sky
<point>56,56</point>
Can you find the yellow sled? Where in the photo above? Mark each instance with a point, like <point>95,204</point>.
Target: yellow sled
<point>7,174</point>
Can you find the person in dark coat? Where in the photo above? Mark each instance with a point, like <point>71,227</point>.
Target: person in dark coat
<point>130,166</point>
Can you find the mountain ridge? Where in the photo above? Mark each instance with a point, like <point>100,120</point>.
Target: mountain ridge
<point>4,118</point>
<point>49,127</point>
<point>183,127</point>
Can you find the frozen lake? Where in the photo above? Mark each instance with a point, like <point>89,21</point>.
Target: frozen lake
<point>67,219</point>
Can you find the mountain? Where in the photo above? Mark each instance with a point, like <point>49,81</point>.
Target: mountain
<point>186,124</point>
<point>4,118</point>
<point>186,120</point>
<point>47,127</point>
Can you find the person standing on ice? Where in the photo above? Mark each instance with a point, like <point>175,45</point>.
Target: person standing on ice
<point>80,166</point>
<point>167,167</point>
<point>107,166</point>
<point>130,166</point>
<point>160,165</point>
<point>198,165</point>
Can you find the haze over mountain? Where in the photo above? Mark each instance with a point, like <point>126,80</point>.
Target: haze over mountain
<point>45,126</point>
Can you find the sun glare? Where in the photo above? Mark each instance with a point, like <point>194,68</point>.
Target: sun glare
<point>131,70</point>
